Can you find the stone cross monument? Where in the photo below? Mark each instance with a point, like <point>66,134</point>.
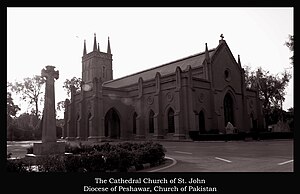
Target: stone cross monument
<point>49,121</point>
<point>49,144</point>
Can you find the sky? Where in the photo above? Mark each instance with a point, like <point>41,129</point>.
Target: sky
<point>142,38</point>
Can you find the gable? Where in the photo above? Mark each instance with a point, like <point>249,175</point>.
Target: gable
<point>226,71</point>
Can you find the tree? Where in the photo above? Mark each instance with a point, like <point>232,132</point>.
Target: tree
<point>28,125</point>
<point>76,82</point>
<point>30,90</point>
<point>250,78</point>
<point>60,105</point>
<point>290,45</point>
<point>12,110</point>
<point>27,121</point>
<point>73,82</point>
<point>271,89</point>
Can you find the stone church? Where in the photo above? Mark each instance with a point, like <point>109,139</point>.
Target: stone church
<point>201,92</point>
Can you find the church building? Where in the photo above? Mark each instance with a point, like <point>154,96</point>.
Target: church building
<point>201,92</point>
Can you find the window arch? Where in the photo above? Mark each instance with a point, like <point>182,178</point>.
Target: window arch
<point>134,123</point>
<point>151,121</point>
<point>171,122</point>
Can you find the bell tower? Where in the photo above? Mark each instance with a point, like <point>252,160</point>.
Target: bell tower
<point>96,64</point>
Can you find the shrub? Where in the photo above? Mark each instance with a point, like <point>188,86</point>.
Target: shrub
<point>97,158</point>
<point>123,155</point>
<point>94,162</point>
<point>73,163</point>
<point>51,163</point>
<point>150,152</point>
<point>118,158</point>
<point>78,149</point>
<point>105,148</point>
<point>16,166</point>
<point>85,162</point>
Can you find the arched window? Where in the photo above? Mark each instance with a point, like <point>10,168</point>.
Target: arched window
<point>151,122</point>
<point>201,122</point>
<point>228,109</point>
<point>171,123</point>
<point>89,124</point>
<point>253,123</point>
<point>134,123</point>
<point>103,71</point>
<point>77,126</point>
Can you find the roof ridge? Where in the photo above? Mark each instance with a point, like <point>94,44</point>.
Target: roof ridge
<point>168,63</point>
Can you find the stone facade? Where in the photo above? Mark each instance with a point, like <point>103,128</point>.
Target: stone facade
<point>201,93</point>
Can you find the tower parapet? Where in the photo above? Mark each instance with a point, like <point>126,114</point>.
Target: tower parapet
<point>96,64</point>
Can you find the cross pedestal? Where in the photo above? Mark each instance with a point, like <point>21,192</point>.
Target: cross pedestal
<point>48,148</point>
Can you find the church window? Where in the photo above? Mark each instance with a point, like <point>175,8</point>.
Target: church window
<point>151,122</point>
<point>253,123</point>
<point>227,75</point>
<point>201,122</point>
<point>77,126</point>
<point>171,123</point>
<point>103,72</point>
<point>134,123</point>
<point>89,124</point>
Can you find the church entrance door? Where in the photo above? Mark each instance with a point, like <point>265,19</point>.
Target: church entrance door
<point>228,109</point>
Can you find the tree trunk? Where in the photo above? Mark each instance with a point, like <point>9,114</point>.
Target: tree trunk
<point>36,110</point>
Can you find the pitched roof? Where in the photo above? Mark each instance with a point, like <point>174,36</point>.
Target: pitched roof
<point>165,69</point>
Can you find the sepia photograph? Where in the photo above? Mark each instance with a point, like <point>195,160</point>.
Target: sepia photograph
<point>150,99</point>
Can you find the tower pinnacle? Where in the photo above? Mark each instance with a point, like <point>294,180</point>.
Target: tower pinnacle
<point>206,53</point>
<point>239,61</point>
<point>84,48</point>
<point>95,43</point>
<point>108,47</point>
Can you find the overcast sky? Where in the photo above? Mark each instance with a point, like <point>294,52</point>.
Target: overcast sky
<point>143,38</point>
